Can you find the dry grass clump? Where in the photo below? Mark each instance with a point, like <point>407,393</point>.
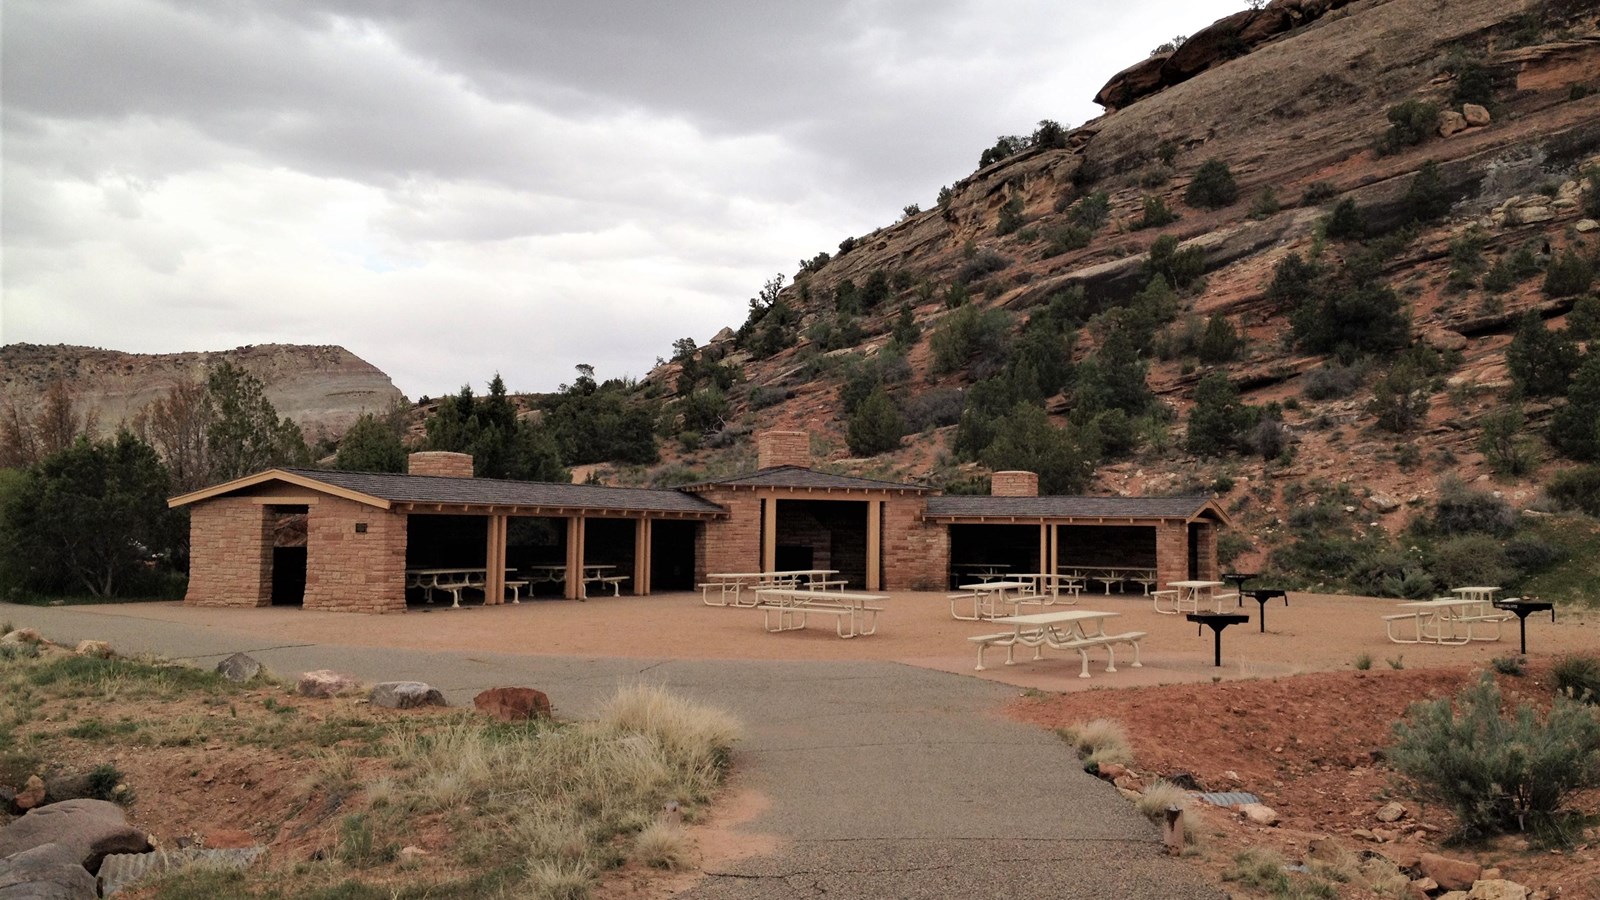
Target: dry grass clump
<point>1385,879</point>
<point>1099,741</point>
<point>663,845</point>
<point>560,796</point>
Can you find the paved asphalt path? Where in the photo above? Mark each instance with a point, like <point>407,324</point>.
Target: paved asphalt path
<point>885,781</point>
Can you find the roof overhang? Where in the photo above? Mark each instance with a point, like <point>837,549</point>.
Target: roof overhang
<point>279,475</point>
<point>1208,511</point>
<point>422,507</point>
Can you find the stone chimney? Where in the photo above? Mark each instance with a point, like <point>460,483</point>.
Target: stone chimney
<point>440,462</point>
<point>783,448</point>
<point>1014,484</point>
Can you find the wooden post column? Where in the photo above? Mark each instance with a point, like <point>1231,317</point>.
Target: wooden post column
<point>1044,549</point>
<point>494,576</point>
<point>574,581</point>
<point>769,534</point>
<point>1055,549</point>
<point>874,545</point>
<point>641,557</point>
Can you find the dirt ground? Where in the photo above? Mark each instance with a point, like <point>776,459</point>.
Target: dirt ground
<point>1287,716</point>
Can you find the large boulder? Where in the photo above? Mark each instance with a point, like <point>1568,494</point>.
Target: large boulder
<point>1452,874</point>
<point>88,829</point>
<point>513,704</point>
<point>325,683</point>
<point>45,872</point>
<point>22,636</point>
<point>405,695</point>
<point>240,667</point>
<point>1137,80</point>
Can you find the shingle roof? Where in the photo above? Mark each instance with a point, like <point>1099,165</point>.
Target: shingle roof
<point>487,491</point>
<point>1069,507</point>
<point>801,477</point>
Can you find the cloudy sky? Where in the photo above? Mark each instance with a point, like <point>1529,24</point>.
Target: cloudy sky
<point>453,188</point>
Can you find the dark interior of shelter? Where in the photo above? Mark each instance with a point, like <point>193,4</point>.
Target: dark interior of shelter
<point>1010,548</point>
<point>672,556</point>
<point>823,534</point>
<point>289,555</point>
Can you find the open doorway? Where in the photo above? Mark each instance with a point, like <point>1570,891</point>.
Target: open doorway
<point>823,534</point>
<point>672,555</point>
<point>288,554</point>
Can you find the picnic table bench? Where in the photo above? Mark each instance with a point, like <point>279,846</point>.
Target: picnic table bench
<point>1078,630</point>
<point>794,605</point>
<point>1438,621</point>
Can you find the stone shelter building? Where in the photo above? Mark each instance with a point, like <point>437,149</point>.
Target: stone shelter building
<point>348,540</point>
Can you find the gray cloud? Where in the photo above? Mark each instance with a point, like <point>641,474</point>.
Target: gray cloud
<point>453,188</point>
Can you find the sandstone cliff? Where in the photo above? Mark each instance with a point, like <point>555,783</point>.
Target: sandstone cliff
<point>324,389</point>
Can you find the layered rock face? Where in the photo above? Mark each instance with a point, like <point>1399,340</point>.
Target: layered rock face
<point>323,388</point>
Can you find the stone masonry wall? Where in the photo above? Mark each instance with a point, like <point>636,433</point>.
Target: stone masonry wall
<point>351,571</point>
<point>916,554</point>
<point>1205,542</point>
<point>783,448</point>
<point>230,553</point>
<point>440,462</point>
<point>1014,484</point>
<point>1172,553</point>
<point>732,544</point>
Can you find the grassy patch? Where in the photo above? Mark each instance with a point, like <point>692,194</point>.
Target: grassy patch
<point>1572,579</point>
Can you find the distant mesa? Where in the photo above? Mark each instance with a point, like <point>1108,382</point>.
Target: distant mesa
<point>323,388</point>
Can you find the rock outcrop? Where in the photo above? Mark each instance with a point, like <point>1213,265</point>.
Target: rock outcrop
<point>322,388</point>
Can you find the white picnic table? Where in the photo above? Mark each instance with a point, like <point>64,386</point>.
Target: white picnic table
<point>987,597</point>
<point>454,581</point>
<point>1109,575</point>
<point>1078,630</point>
<point>597,573</point>
<point>729,586</point>
<point>854,614</point>
<point>1051,586</point>
<point>1445,620</point>
<point>1476,593</point>
<point>1186,597</point>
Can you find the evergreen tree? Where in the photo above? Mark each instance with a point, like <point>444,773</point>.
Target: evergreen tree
<point>371,445</point>
<point>1541,361</point>
<point>1219,420</point>
<point>876,427</point>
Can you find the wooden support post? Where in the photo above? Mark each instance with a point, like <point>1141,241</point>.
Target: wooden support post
<point>1055,549</point>
<point>641,557</point>
<point>494,575</point>
<point>1044,549</point>
<point>769,534</point>
<point>874,545</point>
<point>574,582</point>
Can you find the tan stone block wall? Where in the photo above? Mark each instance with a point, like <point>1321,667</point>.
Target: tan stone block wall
<point>732,544</point>
<point>1205,542</point>
<point>440,462</point>
<point>783,448</point>
<point>916,554</point>
<point>230,553</point>
<point>1014,484</point>
<point>1172,553</point>
<point>349,571</point>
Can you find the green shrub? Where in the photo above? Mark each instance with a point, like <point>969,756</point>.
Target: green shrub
<point>1469,559</point>
<point>1363,661</point>
<point>1221,342</point>
<point>1466,261</point>
<point>1092,212</point>
<point>1410,123</point>
<point>1400,398</point>
<point>1425,198</point>
<point>1064,238</point>
<point>1462,510</point>
<point>1345,222</point>
<point>1318,191</point>
<point>1180,268</point>
<point>1510,664</point>
<point>1583,323</point>
<point>1578,677</point>
<point>1576,489</point>
<point>1510,271</point>
<point>1265,204</point>
<point>967,333</point>
<point>1156,214</point>
<point>1218,419</point>
<point>1570,273</point>
<point>1213,186</point>
<point>1011,217</point>
<point>1497,773</point>
<point>1591,199</point>
<point>1575,429</point>
<point>1503,442</point>
<point>980,264</point>
<point>876,427</point>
